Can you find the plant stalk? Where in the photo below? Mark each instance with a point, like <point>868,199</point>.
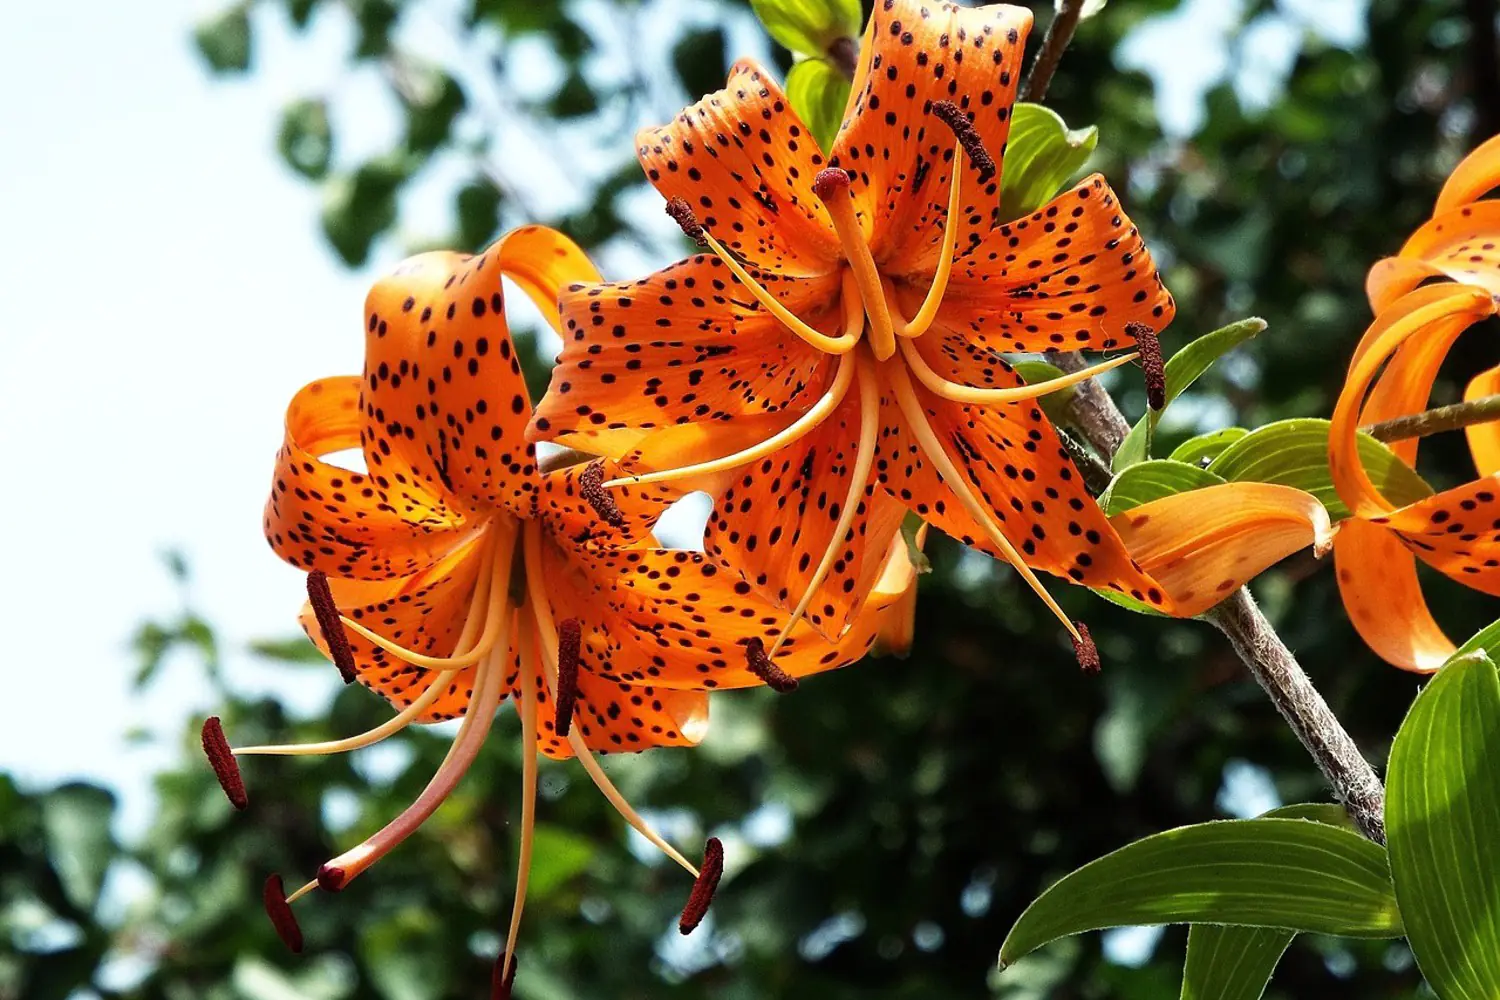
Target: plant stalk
<point>1059,34</point>
<point>1483,410</point>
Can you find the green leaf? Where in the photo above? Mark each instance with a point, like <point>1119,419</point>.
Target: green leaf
<point>809,27</point>
<point>433,100</point>
<point>1442,816</point>
<point>477,206</point>
<point>224,40</point>
<point>305,139</point>
<point>76,821</point>
<point>1231,963</point>
<point>1041,155</point>
<point>1035,372</point>
<point>1196,450</point>
<point>1486,640</point>
<point>1285,873</point>
<point>296,649</point>
<point>558,855</point>
<point>1153,480</point>
<point>818,92</point>
<point>1295,453</point>
<point>1182,370</point>
<point>360,206</point>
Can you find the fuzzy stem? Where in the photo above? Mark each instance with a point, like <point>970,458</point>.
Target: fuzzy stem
<point>1443,418</point>
<point>1059,34</point>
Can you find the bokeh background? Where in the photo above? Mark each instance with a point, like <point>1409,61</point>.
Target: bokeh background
<point>192,200</point>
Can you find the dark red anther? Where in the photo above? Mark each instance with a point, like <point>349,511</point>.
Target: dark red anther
<point>221,759</point>
<point>682,214</point>
<point>761,665</point>
<point>331,879</point>
<point>1149,347</point>
<point>830,182</point>
<point>1085,650</point>
<point>569,645</point>
<point>327,614</point>
<point>591,486</point>
<point>703,889</point>
<point>503,977</point>
<point>968,137</point>
<point>280,912</point>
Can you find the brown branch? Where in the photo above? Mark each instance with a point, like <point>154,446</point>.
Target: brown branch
<point>1059,34</point>
<point>843,55</point>
<point>1483,410</point>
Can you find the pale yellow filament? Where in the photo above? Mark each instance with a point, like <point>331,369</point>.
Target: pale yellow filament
<point>840,205</point>
<point>959,393</point>
<point>925,315</point>
<point>821,341</point>
<point>528,787</point>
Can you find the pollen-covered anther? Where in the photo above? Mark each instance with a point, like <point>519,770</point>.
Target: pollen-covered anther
<point>503,977</point>
<point>591,486</point>
<point>569,645</point>
<point>762,666</point>
<point>830,182</point>
<point>280,912</point>
<point>968,137</point>
<point>1085,650</point>
<point>327,614</point>
<point>707,882</point>
<point>682,214</point>
<point>1155,370</point>
<point>221,759</point>
<point>332,879</point>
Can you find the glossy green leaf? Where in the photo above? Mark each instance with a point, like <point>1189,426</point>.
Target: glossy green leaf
<point>1295,453</point>
<point>1207,447</point>
<point>76,820</point>
<point>1286,873</point>
<point>1486,640</point>
<point>1182,370</point>
<point>224,40</point>
<point>1231,963</point>
<point>558,855</point>
<point>818,92</point>
<point>808,27</point>
<point>1153,480</point>
<point>1041,155</point>
<point>305,139</point>
<point>1442,818</point>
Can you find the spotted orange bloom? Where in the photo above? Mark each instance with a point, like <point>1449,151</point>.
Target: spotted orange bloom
<point>835,358</point>
<point>1457,532</point>
<point>465,576</point>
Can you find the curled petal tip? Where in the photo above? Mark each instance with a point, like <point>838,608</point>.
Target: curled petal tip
<point>221,759</point>
<point>707,882</point>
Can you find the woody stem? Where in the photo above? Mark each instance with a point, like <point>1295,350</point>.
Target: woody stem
<point>1059,34</point>
<point>1273,666</point>
<point>1442,418</point>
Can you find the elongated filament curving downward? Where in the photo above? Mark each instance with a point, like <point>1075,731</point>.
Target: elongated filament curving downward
<point>528,784</point>
<point>960,393</point>
<point>911,407</point>
<point>919,323</point>
<point>546,627</point>
<point>864,458</point>
<point>798,429</point>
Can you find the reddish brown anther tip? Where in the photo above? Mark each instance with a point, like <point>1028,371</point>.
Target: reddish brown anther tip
<point>682,214</point>
<point>968,137</point>
<point>569,645</point>
<point>702,895</point>
<point>331,879</point>
<point>830,182</point>
<point>221,759</point>
<point>501,980</point>
<point>1155,370</point>
<point>280,912</point>
<point>327,613</point>
<point>1085,650</point>
<point>761,665</point>
<point>591,486</point>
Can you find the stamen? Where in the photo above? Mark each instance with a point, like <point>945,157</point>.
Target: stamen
<point>389,727</point>
<point>327,614</point>
<point>1151,363</point>
<point>761,665</point>
<point>807,423</point>
<point>968,137</point>
<point>569,645</point>
<point>832,188</point>
<point>682,214</point>
<point>280,912</point>
<point>221,759</point>
<point>934,298</point>
<point>528,785</point>
<point>960,393</point>
<point>911,408</point>
<point>591,488</point>
<point>703,888</point>
<point>501,981</point>
<point>1085,650</point>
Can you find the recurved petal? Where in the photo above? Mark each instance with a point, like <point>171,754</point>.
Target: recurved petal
<point>1456,532</point>
<point>1378,581</point>
<point>894,600</point>
<point>1069,276</point>
<point>899,156</point>
<point>1484,439</point>
<point>1475,176</point>
<point>321,516</point>
<point>543,262</point>
<point>1202,545</point>
<point>745,163</point>
<point>1462,244</point>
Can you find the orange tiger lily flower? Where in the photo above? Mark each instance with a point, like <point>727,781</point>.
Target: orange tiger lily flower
<point>834,359</point>
<point>465,576</point>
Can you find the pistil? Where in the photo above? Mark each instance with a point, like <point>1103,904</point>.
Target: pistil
<point>832,188</point>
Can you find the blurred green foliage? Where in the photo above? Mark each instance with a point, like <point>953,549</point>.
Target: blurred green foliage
<point>887,823</point>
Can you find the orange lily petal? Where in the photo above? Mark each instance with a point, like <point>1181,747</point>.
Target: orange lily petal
<point>1069,276</point>
<point>684,345</point>
<point>542,262</point>
<point>1462,244</point>
<point>1203,544</point>
<point>1475,176</point>
<point>894,601</point>
<point>572,520</point>
<point>745,163</point>
<point>1484,439</point>
<point>898,155</point>
<point>1393,277</point>
<point>320,516</point>
<point>1378,581</point>
<point>1456,532</point>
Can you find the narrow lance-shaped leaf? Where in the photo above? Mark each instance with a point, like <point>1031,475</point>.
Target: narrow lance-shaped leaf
<point>1206,447</point>
<point>818,92</point>
<point>1041,155</point>
<point>808,27</point>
